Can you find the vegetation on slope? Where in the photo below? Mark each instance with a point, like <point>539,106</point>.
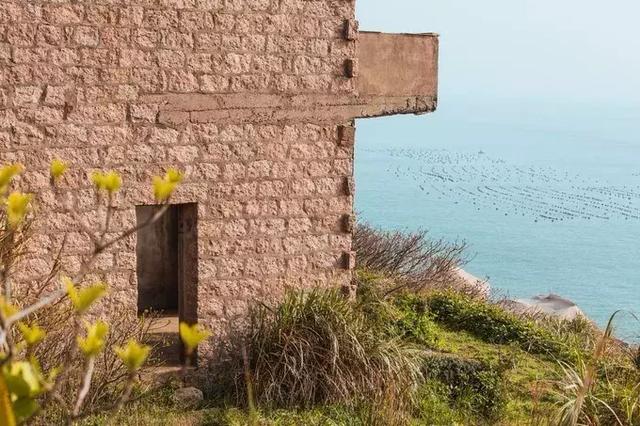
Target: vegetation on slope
<point>310,367</point>
<point>410,350</point>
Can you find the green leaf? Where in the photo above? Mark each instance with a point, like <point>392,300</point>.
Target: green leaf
<point>31,334</point>
<point>7,417</point>
<point>110,181</point>
<point>7,173</point>
<point>173,175</point>
<point>93,343</point>
<point>83,298</point>
<point>24,408</point>
<point>17,205</point>
<point>57,168</point>
<point>22,379</point>
<point>193,335</point>
<point>7,308</point>
<point>162,188</point>
<point>133,355</point>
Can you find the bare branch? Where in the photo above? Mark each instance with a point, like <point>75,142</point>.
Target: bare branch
<point>412,259</point>
<point>86,385</point>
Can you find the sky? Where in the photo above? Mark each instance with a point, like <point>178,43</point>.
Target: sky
<point>564,51</point>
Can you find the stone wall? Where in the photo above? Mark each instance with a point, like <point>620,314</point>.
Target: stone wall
<point>253,99</point>
<point>272,193</point>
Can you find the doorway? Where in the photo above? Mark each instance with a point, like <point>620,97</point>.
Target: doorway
<point>167,274</point>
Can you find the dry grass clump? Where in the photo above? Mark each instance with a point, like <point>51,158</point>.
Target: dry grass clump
<point>411,259</point>
<point>318,348</point>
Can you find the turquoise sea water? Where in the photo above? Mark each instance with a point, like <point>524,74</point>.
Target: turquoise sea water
<point>547,195</point>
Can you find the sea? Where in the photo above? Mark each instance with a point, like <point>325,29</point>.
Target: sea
<point>546,195</point>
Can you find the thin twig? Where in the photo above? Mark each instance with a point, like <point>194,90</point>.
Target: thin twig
<point>135,229</point>
<point>42,303</point>
<point>86,385</point>
<point>127,392</point>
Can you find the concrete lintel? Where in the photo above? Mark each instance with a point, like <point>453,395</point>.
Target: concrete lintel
<point>178,109</point>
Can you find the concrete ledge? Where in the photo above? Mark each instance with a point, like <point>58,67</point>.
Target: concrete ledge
<point>179,109</point>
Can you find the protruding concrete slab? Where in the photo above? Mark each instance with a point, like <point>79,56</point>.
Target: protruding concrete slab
<point>397,65</point>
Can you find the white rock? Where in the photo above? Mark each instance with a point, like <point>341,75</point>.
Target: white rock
<point>550,304</point>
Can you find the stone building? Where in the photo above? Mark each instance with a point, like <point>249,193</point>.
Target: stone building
<point>254,100</point>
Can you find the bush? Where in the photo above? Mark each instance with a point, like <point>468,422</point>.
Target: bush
<point>471,386</point>
<point>403,315</point>
<point>434,408</point>
<point>56,357</point>
<point>318,348</point>
<point>414,321</point>
<point>411,259</point>
<point>493,324</point>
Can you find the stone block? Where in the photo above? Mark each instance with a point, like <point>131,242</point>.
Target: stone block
<point>349,186</point>
<point>143,113</point>
<point>348,260</point>
<point>348,222</point>
<point>86,36</point>
<point>351,29</point>
<point>346,135</point>
<point>351,68</point>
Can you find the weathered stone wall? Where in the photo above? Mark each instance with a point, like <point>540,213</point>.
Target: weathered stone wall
<point>75,81</point>
<point>253,99</point>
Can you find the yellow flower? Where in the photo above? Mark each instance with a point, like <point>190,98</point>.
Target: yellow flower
<point>110,181</point>
<point>57,169</point>
<point>133,355</point>
<point>192,335</point>
<point>7,173</point>
<point>93,343</point>
<point>17,206</point>
<point>31,334</point>
<point>83,298</point>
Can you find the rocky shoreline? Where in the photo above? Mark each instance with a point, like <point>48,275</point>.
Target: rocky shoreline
<point>549,304</point>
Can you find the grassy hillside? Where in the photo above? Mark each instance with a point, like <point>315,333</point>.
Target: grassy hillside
<point>416,347</point>
<point>478,365</point>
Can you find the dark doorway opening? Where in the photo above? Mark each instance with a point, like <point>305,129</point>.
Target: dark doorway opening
<point>167,272</point>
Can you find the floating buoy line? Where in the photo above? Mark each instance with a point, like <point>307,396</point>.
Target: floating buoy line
<point>543,193</point>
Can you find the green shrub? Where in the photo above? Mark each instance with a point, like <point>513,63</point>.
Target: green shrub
<point>414,321</point>
<point>471,386</point>
<point>405,315</point>
<point>57,357</point>
<point>434,408</point>
<point>493,324</point>
<point>316,347</point>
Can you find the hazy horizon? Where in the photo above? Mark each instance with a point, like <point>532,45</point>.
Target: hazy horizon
<point>535,98</point>
<point>567,52</point>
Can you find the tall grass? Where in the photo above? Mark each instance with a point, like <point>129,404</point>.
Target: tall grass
<point>316,347</point>
<point>598,390</point>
